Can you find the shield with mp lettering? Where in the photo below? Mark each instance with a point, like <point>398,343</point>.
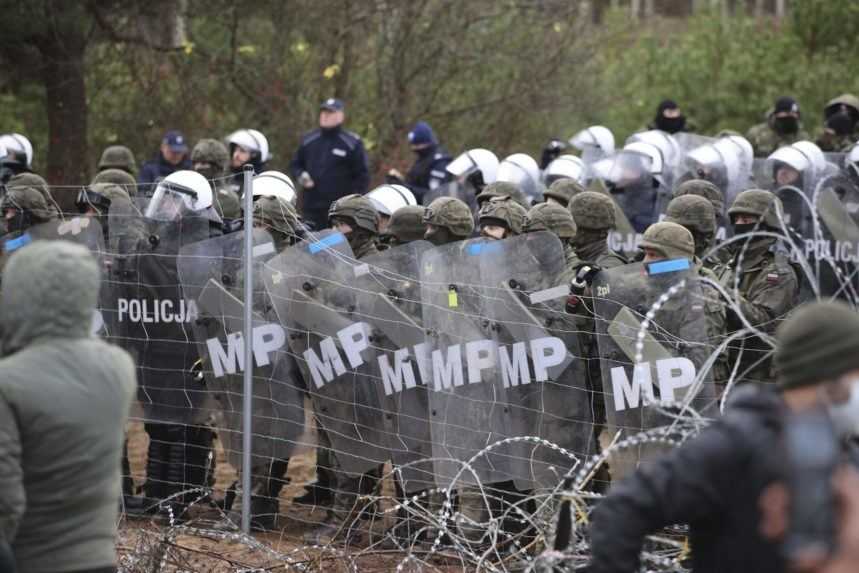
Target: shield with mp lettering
<point>213,274</point>
<point>655,352</point>
<point>312,287</point>
<point>389,299</point>
<point>541,360</point>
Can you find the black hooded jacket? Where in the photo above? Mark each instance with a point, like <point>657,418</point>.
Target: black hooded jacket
<point>712,483</point>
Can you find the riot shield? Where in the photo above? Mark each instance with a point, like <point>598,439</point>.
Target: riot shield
<point>153,317</point>
<point>212,274</point>
<point>311,286</point>
<point>466,397</point>
<point>84,231</point>
<point>389,298</point>
<point>541,363</point>
<point>645,361</point>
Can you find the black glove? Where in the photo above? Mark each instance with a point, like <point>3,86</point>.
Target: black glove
<point>584,277</point>
<point>551,152</point>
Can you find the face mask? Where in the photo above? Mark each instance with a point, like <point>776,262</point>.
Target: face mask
<point>671,124</point>
<point>787,124</point>
<point>845,417</point>
<point>740,228</point>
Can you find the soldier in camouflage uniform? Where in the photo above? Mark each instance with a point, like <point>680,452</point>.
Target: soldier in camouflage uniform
<point>562,191</point>
<point>116,177</point>
<point>24,206</point>
<point>211,159</point>
<point>447,220</point>
<point>280,219</point>
<point>783,127</point>
<point>118,157</point>
<point>502,189</point>
<point>501,217</point>
<point>594,214</point>
<point>36,182</point>
<point>355,217</point>
<point>696,215</point>
<point>406,225</point>
<point>840,117</point>
<point>559,221</point>
<point>766,284</point>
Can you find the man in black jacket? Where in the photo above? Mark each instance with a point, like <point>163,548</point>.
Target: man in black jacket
<point>714,482</point>
<point>427,172</point>
<point>329,164</point>
<point>172,156</point>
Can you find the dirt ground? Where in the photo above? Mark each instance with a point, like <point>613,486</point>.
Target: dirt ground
<point>209,551</point>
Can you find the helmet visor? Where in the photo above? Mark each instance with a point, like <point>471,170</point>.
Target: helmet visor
<point>170,202</point>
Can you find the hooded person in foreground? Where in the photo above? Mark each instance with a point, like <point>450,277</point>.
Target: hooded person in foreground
<point>64,401</point>
<point>714,482</point>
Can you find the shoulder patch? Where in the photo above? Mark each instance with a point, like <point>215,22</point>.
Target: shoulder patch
<point>773,278</point>
<point>350,139</point>
<point>312,136</point>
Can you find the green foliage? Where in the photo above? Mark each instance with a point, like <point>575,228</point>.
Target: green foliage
<point>725,70</point>
<point>503,75</point>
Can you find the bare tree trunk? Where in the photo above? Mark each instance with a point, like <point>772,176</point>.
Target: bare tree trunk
<point>63,73</point>
<point>635,8</point>
<point>780,9</point>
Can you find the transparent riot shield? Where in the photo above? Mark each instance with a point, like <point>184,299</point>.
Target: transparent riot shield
<point>153,317</point>
<point>651,365</point>
<point>84,231</point>
<point>541,364</point>
<point>212,274</point>
<point>312,288</point>
<point>389,298</point>
<point>469,411</point>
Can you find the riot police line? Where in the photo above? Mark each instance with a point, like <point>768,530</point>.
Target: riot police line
<point>428,353</point>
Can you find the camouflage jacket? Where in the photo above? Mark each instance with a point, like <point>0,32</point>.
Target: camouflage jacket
<point>765,139</point>
<point>766,289</point>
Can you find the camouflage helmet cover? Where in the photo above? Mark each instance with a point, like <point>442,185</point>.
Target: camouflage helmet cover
<point>117,177</point>
<point>358,209</point>
<point>693,212</point>
<point>759,203</point>
<point>671,240</point>
<point>118,157</point>
<point>31,199</point>
<point>504,210</point>
<point>278,214</point>
<point>452,214</point>
<point>211,151</point>
<point>563,190</point>
<point>592,210</point>
<point>407,224</point>
<point>550,217</point>
<point>36,182</point>
<point>702,188</point>
<point>502,189</point>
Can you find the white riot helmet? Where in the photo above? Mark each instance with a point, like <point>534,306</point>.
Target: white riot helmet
<point>180,192</point>
<point>475,161</point>
<point>594,137</point>
<point>253,141</point>
<point>521,170</point>
<point>565,167</point>
<point>19,145</point>
<point>274,184</point>
<point>804,157</point>
<point>851,162</point>
<point>388,198</point>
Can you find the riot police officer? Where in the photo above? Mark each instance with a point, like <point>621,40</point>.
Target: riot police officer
<point>428,172</point>
<point>118,157</point>
<point>405,225</point>
<point>501,217</point>
<point>357,219</point>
